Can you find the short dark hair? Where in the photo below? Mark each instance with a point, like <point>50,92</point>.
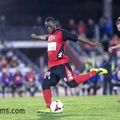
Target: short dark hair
<point>48,19</point>
<point>118,21</point>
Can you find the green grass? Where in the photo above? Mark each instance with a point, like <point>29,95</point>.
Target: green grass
<point>75,108</point>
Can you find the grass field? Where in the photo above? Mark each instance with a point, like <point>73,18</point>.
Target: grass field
<point>75,108</point>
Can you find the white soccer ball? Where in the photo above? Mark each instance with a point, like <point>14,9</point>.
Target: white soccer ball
<point>56,106</point>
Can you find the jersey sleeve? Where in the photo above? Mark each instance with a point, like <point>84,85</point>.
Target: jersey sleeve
<point>69,36</point>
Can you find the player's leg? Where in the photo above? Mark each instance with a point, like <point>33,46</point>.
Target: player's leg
<point>50,79</point>
<point>65,72</point>
<point>84,77</point>
<point>72,81</point>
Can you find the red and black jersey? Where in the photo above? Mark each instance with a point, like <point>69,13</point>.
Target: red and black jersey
<point>30,77</point>
<point>17,78</point>
<point>57,46</point>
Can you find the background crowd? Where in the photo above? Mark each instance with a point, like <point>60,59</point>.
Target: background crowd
<point>22,69</point>
<point>18,78</point>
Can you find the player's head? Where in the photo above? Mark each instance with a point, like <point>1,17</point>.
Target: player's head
<point>118,23</point>
<point>50,24</point>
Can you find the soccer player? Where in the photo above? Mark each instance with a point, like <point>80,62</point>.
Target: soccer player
<point>117,46</point>
<point>58,66</point>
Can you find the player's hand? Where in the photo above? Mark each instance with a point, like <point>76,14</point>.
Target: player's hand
<point>110,49</point>
<point>34,36</point>
<point>95,44</point>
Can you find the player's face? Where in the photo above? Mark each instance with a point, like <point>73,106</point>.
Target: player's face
<point>50,26</point>
<point>118,26</point>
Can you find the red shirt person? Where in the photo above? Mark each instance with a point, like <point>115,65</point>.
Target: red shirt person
<point>31,86</point>
<point>58,66</point>
<point>17,83</point>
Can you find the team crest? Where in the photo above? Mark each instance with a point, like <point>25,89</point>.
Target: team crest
<point>52,37</point>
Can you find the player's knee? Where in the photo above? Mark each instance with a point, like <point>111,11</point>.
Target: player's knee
<point>72,84</point>
<point>46,85</point>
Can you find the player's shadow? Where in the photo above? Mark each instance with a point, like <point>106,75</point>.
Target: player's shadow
<point>49,116</point>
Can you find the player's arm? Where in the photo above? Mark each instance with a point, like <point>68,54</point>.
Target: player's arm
<point>114,47</point>
<point>72,37</point>
<point>83,40</point>
<point>39,37</point>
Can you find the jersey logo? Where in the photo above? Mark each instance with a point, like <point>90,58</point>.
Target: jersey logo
<point>70,76</point>
<point>60,54</point>
<point>47,75</point>
<point>65,79</point>
<point>52,37</point>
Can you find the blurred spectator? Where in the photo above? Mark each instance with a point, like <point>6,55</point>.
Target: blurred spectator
<point>41,78</point>
<point>105,43</point>
<point>118,63</point>
<point>2,27</point>
<point>86,85</point>
<point>86,88</point>
<point>87,62</point>
<point>3,61</point>
<point>81,29</point>
<point>72,25</point>
<point>41,75</point>
<point>21,64</point>
<point>115,41</point>
<point>9,54</point>
<point>90,29</point>
<point>58,24</point>
<point>107,80</point>
<point>39,21</point>
<point>94,83</point>
<point>13,62</point>
<point>101,27</point>
<point>38,28</point>
<point>6,80</point>
<point>17,83</point>
<point>106,27</point>
<point>31,86</point>
<point>64,86</point>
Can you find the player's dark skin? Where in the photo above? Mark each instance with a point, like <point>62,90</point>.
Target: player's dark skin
<point>50,26</point>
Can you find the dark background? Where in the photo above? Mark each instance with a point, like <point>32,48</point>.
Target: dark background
<point>24,12</point>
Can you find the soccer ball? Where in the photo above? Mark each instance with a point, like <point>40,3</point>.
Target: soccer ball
<point>56,106</point>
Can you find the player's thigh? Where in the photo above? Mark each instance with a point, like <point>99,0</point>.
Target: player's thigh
<point>65,72</point>
<point>67,76</point>
<point>50,79</point>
